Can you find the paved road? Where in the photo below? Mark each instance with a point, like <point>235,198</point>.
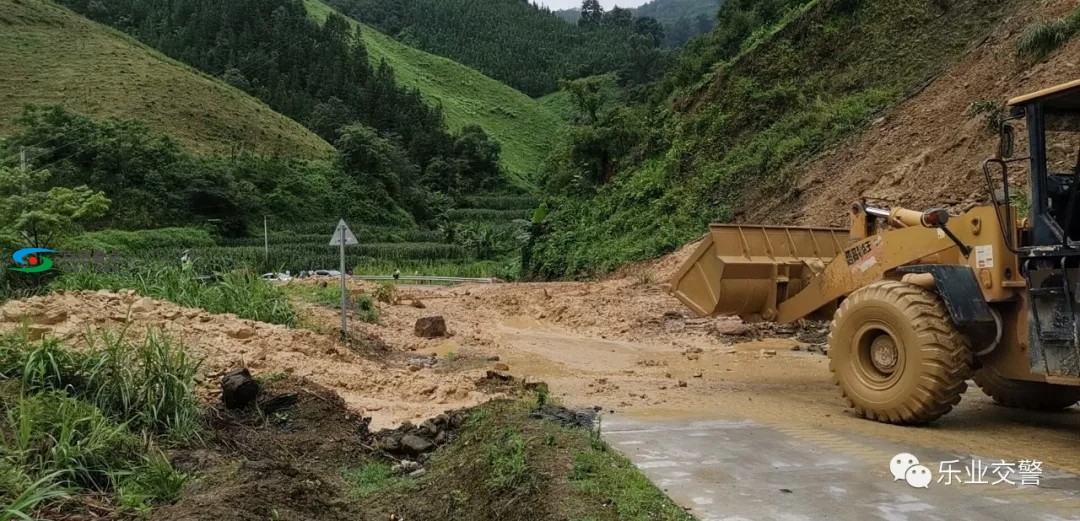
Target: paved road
<point>734,469</point>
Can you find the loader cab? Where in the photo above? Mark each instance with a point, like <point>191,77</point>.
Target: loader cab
<point>1048,247</point>
<point>1053,126</point>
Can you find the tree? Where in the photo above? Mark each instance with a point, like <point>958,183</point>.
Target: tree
<point>592,14</point>
<point>588,96</point>
<point>651,28</point>
<point>33,214</point>
<point>619,17</point>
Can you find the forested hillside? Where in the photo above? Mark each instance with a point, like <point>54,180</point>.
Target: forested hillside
<point>524,129</point>
<point>681,19</point>
<point>514,41</point>
<point>739,112</point>
<point>49,55</point>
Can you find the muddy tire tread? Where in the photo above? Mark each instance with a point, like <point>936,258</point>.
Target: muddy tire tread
<point>947,354</point>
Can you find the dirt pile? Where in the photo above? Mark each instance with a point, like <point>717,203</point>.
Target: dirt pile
<point>284,464</point>
<point>927,150</point>
<point>389,393</point>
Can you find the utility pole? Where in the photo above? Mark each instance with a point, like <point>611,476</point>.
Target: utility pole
<point>266,239</point>
<point>344,303</point>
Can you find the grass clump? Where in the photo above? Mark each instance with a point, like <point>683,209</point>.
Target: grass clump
<point>89,421</point>
<point>369,479</point>
<point>241,293</point>
<point>506,456</point>
<point>1043,39</point>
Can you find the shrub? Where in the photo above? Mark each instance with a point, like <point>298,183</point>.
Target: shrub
<point>1043,39</point>
<point>386,292</point>
<point>366,310</point>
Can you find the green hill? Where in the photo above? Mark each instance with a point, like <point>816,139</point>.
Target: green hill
<point>523,126</point>
<point>739,117</point>
<point>50,55</point>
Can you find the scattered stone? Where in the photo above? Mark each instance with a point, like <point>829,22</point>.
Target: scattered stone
<point>416,445</point>
<point>494,358</point>
<point>404,467</point>
<point>142,305</point>
<point>417,473</point>
<point>495,375</point>
<point>241,332</point>
<point>239,389</point>
<point>682,383</point>
<point>768,352</point>
<point>502,367</point>
<point>417,304</point>
<point>413,368</point>
<point>430,327</point>
<point>698,374</point>
<point>429,428</point>
<point>693,351</point>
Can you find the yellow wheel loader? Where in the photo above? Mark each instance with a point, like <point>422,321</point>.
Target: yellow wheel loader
<point>921,302</point>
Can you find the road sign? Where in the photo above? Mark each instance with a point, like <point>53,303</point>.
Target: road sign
<point>350,239</point>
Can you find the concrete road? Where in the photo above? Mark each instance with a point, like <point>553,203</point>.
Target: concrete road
<point>735,469</point>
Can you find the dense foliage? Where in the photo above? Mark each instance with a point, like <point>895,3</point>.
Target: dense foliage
<point>680,20</point>
<point>317,74</point>
<point>514,41</point>
<point>737,115</point>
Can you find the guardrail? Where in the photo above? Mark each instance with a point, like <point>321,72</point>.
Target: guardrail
<point>422,278</point>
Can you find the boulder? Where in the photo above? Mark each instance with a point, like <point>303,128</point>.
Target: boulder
<point>430,327</point>
<point>238,389</point>
<point>415,445</point>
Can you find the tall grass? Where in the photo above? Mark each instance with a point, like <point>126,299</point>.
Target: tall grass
<point>1043,39</point>
<point>88,420</point>
<point>242,293</point>
<point>148,386</point>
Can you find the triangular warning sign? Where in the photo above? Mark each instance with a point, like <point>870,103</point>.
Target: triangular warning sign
<point>350,239</point>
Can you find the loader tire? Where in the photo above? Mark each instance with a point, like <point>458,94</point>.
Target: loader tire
<point>1034,396</point>
<point>896,355</point>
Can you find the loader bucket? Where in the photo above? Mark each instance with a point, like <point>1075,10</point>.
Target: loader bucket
<point>748,270</point>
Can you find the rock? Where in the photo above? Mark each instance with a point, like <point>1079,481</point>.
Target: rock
<point>731,328</point>
<point>404,467</point>
<point>494,358</point>
<point>495,375</point>
<point>416,445</point>
<point>729,351</point>
<point>430,327</point>
<point>51,317</point>
<point>440,438</point>
<point>392,443</point>
<point>417,304</point>
<point>682,383</point>
<point>413,368</point>
<point>417,473</point>
<point>698,374</point>
<point>238,389</point>
<point>502,367</point>
<point>429,428</point>
<point>768,352</point>
<point>241,332</point>
<point>142,305</point>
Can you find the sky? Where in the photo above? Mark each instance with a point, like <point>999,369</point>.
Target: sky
<point>608,4</point>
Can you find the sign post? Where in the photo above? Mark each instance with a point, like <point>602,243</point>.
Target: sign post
<point>342,237</point>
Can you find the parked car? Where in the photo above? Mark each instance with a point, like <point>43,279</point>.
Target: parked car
<point>327,273</point>
<point>276,276</point>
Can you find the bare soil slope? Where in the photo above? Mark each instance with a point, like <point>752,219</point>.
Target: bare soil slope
<point>927,150</point>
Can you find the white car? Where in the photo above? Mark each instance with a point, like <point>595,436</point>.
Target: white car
<point>276,276</point>
<point>327,273</point>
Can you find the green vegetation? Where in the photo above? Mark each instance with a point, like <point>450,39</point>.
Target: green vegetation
<point>681,20</point>
<point>132,242</point>
<point>89,421</point>
<point>524,128</point>
<point>242,293</point>
<point>49,55</point>
<point>508,465</point>
<point>370,479</point>
<point>738,117</point>
<point>516,42</point>
<point>363,305</point>
<point>1043,39</point>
